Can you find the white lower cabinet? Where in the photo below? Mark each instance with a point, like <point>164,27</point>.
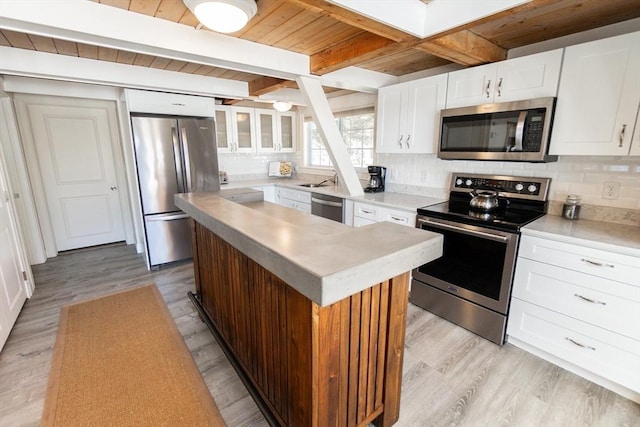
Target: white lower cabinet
<point>590,348</point>
<point>365,214</point>
<point>579,307</point>
<point>295,199</point>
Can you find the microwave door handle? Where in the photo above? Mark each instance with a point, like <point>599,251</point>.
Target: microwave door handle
<point>520,131</point>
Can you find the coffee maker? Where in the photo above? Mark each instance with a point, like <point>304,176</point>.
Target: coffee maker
<point>377,175</point>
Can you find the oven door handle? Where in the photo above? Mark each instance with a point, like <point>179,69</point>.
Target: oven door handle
<point>486,235</point>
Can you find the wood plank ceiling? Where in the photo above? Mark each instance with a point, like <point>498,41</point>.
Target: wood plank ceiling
<point>335,38</point>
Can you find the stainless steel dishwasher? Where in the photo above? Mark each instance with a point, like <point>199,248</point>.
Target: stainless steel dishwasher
<point>326,206</point>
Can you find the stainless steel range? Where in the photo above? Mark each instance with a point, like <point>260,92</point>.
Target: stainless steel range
<point>470,285</point>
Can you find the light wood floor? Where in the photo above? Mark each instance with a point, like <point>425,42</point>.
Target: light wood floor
<point>451,377</point>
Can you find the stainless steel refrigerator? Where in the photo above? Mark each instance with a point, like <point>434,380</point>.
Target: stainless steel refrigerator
<point>173,155</point>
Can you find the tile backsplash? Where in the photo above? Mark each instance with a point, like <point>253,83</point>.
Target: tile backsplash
<point>425,174</point>
<point>583,175</point>
<point>250,166</point>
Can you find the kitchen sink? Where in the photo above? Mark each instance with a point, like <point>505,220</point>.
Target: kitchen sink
<point>312,185</point>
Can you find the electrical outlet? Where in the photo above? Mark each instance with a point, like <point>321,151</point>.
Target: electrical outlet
<point>611,190</point>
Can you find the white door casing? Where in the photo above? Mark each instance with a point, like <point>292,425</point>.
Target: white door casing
<point>13,271</point>
<point>73,144</point>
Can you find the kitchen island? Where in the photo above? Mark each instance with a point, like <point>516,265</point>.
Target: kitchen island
<point>311,312</point>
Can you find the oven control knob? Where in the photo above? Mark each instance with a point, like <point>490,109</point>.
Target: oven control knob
<point>468,182</point>
<point>459,181</point>
<point>532,188</point>
<point>519,187</point>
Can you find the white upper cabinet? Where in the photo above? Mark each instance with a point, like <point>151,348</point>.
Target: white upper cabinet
<point>533,76</point>
<point>235,129</point>
<point>276,131</point>
<point>223,128</point>
<point>266,134</point>
<point>598,98</point>
<point>243,133</point>
<point>408,115</point>
<point>247,130</point>
<point>145,101</point>
<point>286,132</point>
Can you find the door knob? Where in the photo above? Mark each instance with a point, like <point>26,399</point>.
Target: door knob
<point>114,188</point>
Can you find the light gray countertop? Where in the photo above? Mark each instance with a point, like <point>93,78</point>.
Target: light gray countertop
<point>616,238</point>
<point>401,201</point>
<point>324,260</point>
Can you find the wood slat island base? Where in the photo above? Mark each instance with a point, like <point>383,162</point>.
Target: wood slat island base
<point>310,365</point>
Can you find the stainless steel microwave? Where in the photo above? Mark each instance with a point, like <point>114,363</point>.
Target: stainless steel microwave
<point>516,131</point>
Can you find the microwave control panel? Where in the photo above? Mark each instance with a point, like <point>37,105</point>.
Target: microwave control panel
<point>532,140</point>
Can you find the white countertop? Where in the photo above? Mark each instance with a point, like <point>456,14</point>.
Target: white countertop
<point>324,260</point>
<point>400,201</point>
<point>616,238</point>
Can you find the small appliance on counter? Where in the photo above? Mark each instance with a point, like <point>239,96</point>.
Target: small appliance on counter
<point>224,178</point>
<point>377,176</point>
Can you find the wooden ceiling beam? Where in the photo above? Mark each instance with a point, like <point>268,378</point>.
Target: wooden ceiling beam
<point>354,19</point>
<point>465,48</point>
<point>461,47</point>
<point>352,51</point>
<point>264,85</point>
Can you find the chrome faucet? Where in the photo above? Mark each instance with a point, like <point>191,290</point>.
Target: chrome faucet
<point>333,179</point>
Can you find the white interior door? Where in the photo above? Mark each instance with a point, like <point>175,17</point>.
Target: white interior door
<point>75,157</point>
<point>13,290</point>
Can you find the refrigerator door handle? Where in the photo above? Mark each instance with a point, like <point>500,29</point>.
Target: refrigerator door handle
<point>187,163</point>
<point>178,158</point>
<point>166,217</point>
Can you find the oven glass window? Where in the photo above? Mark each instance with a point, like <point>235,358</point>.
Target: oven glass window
<point>469,262</point>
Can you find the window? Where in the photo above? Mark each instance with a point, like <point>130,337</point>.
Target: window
<point>356,128</point>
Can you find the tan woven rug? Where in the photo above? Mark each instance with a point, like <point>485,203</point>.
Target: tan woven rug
<point>120,360</point>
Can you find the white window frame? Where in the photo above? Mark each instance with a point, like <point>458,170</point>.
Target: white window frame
<point>307,146</point>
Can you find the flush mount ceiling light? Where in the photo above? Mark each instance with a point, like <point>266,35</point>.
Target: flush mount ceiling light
<point>223,16</point>
<point>282,106</point>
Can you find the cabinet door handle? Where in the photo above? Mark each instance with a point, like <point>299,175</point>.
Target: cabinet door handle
<point>624,128</point>
<point>579,344</point>
<point>487,88</point>
<point>592,301</point>
<point>400,140</point>
<point>407,141</point>
<point>500,87</point>
<point>597,264</point>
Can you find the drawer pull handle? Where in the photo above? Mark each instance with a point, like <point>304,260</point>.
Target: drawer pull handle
<point>592,301</point>
<point>580,345</point>
<point>395,218</point>
<point>597,264</point>
<point>366,211</point>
